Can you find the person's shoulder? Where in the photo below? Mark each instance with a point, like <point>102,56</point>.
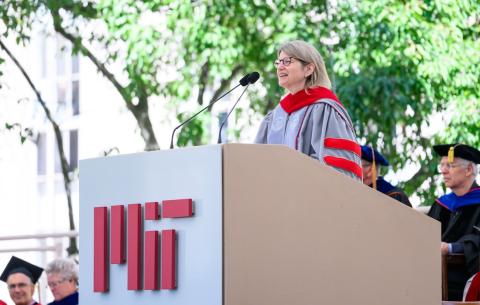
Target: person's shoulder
<point>71,299</point>
<point>398,190</point>
<point>268,117</point>
<point>438,209</point>
<point>398,194</point>
<point>327,103</point>
<point>335,111</point>
<point>470,208</point>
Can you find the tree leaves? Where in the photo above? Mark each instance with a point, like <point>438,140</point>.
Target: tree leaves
<point>396,64</point>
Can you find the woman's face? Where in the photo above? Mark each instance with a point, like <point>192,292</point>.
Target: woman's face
<point>291,72</point>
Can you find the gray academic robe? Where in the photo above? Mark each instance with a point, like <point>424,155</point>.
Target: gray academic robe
<point>309,130</point>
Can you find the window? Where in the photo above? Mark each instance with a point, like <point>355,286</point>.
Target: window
<point>75,64</point>
<point>58,162</point>
<point>70,148</point>
<point>43,55</point>
<point>60,56</point>
<point>42,154</point>
<point>75,97</point>
<point>61,93</point>
<point>73,149</point>
<point>223,135</point>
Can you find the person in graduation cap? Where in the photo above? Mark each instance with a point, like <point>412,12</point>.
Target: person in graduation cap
<point>62,276</point>
<point>310,118</point>
<point>372,160</point>
<point>21,277</point>
<point>459,212</point>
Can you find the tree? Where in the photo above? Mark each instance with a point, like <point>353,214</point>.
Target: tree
<point>394,63</point>
<point>72,248</point>
<point>399,62</point>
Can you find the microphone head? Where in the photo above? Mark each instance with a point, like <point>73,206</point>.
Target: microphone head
<point>245,80</point>
<point>253,77</point>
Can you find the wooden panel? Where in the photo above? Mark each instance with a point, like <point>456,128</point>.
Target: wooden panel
<point>298,232</point>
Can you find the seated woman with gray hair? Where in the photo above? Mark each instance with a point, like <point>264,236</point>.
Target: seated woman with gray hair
<point>62,276</point>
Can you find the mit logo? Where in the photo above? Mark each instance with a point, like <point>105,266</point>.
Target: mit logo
<point>170,209</point>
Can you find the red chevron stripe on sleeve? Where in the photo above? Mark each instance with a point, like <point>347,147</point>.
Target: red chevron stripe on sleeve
<point>336,143</point>
<point>344,164</point>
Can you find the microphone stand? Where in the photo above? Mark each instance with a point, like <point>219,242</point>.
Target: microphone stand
<point>201,110</point>
<point>226,118</point>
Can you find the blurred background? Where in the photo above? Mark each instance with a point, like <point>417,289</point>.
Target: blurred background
<point>83,79</point>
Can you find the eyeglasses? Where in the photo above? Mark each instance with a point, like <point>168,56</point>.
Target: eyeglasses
<point>56,283</point>
<point>448,166</point>
<point>19,285</point>
<point>365,164</point>
<point>285,61</point>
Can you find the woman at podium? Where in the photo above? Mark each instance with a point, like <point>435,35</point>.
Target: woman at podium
<point>310,118</point>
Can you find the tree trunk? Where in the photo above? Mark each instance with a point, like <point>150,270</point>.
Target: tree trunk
<point>72,248</point>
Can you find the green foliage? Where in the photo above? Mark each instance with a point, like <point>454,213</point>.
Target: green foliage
<point>137,41</point>
<point>465,124</point>
<point>196,132</point>
<point>399,62</point>
<point>24,133</point>
<point>17,17</point>
<point>396,64</point>
<point>227,34</point>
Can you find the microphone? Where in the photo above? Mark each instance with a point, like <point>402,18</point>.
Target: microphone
<point>253,77</point>
<point>243,82</point>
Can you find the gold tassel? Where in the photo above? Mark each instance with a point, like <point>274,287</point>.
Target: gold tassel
<point>451,154</point>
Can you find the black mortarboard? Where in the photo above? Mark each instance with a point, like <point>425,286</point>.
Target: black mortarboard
<point>368,154</point>
<point>16,265</point>
<point>458,150</point>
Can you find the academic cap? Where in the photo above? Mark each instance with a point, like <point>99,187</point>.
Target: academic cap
<point>458,150</point>
<point>17,265</point>
<point>368,154</point>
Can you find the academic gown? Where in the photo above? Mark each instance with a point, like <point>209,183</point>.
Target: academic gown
<point>69,300</point>
<point>460,217</point>
<point>392,191</point>
<point>322,130</point>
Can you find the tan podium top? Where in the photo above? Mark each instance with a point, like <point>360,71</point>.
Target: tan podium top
<point>460,303</point>
<point>298,232</point>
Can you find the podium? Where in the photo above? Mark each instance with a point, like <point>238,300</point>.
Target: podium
<point>270,226</point>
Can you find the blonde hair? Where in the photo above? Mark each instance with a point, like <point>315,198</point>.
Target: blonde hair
<point>307,53</point>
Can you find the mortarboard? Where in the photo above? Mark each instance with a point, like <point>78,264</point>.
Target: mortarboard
<point>17,265</point>
<point>371,155</point>
<point>458,150</point>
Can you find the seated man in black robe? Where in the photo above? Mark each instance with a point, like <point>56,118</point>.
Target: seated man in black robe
<point>459,212</point>
<point>371,162</point>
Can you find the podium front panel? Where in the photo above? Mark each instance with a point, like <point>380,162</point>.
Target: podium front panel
<point>193,173</point>
<point>299,232</point>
